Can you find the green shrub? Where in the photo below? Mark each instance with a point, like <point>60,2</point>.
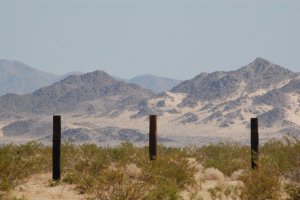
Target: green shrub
<point>263,182</point>
<point>98,170</point>
<point>225,157</point>
<point>125,171</point>
<point>284,153</point>
<point>18,162</point>
<point>166,191</point>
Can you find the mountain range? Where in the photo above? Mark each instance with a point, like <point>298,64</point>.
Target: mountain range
<point>210,107</point>
<point>157,84</point>
<point>19,78</point>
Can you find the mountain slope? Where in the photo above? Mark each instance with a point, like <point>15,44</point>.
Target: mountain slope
<point>19,78</point>
<point>74,93</point>
<point>211,107</point>
<point>222,103</point>
<point>157,84</point>
<point>258,75</point>
<point>86,102</point>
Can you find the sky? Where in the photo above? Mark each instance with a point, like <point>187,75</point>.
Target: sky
<point>172,38</point>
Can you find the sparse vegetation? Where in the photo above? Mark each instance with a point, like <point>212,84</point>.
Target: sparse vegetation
<point>106,173</point>
<point>19,162</point>
<point>262,183</point>
<point>222,191</point>
<point>225,157</point>
<point>125,172</point>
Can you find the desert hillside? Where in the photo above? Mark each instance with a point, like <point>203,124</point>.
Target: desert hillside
<point>210,107</point>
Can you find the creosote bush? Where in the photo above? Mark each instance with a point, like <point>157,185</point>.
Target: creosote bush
<point>103,172</point>
<point>263,182</point>
<point>222,191</point>
<point>125,171</point>
<point>18,162</point>
<point>285,153</point>
<point>226,157</point>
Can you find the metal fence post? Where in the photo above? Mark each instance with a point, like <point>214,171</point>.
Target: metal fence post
<point>152,137</point>
<point>254,143</point>
<point>56,147</point>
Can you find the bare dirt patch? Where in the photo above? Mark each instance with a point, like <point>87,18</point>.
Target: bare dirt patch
<point>39,187</point>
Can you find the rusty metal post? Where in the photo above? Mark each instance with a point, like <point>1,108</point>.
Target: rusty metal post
<point>56,147</point>
<point>254,143</point>
<point>152,136</point>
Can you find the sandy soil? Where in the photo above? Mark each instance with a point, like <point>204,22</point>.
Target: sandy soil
<point>2,124</point>
<point>38,187</point>
<point>209,178</point>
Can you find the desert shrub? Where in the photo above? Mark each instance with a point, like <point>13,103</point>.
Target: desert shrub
<point>116,184</point>
<point>262,183</point>
<point>293,190</point>
<point>21,161</point>
<point>171,165</point>
<point>69,156</point>
<point>222,191</point>
<point>169,191</point>
<point>83,163</point>
<point>125,172</point>
<point>124,153</point>
<point>226,157</point>
<point>285,153</point>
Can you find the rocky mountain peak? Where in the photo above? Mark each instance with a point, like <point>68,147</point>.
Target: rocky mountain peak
<point>260,62</point>
<point>96,77</point>
<point>98,74</point>
<point>259,74</point>
<point>262,66</point>
<point>263,74</point>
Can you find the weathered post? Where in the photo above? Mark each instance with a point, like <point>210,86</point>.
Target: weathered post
<point>56,147</point>
<point>254,143</point>
<point>152,137</point>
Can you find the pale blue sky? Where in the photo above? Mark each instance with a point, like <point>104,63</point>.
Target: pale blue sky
<point>173,38</point>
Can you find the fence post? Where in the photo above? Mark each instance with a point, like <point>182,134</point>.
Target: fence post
<point>56,147</point>
<point>254,143</point>
<point>152,137</point>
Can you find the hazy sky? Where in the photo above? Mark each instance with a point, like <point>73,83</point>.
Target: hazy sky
<point>173,38</point>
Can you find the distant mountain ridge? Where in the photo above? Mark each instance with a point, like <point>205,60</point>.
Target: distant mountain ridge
<point>210,107</point>
<point>67,94</point>
<point>157,84</point>
<point>19,78</point>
